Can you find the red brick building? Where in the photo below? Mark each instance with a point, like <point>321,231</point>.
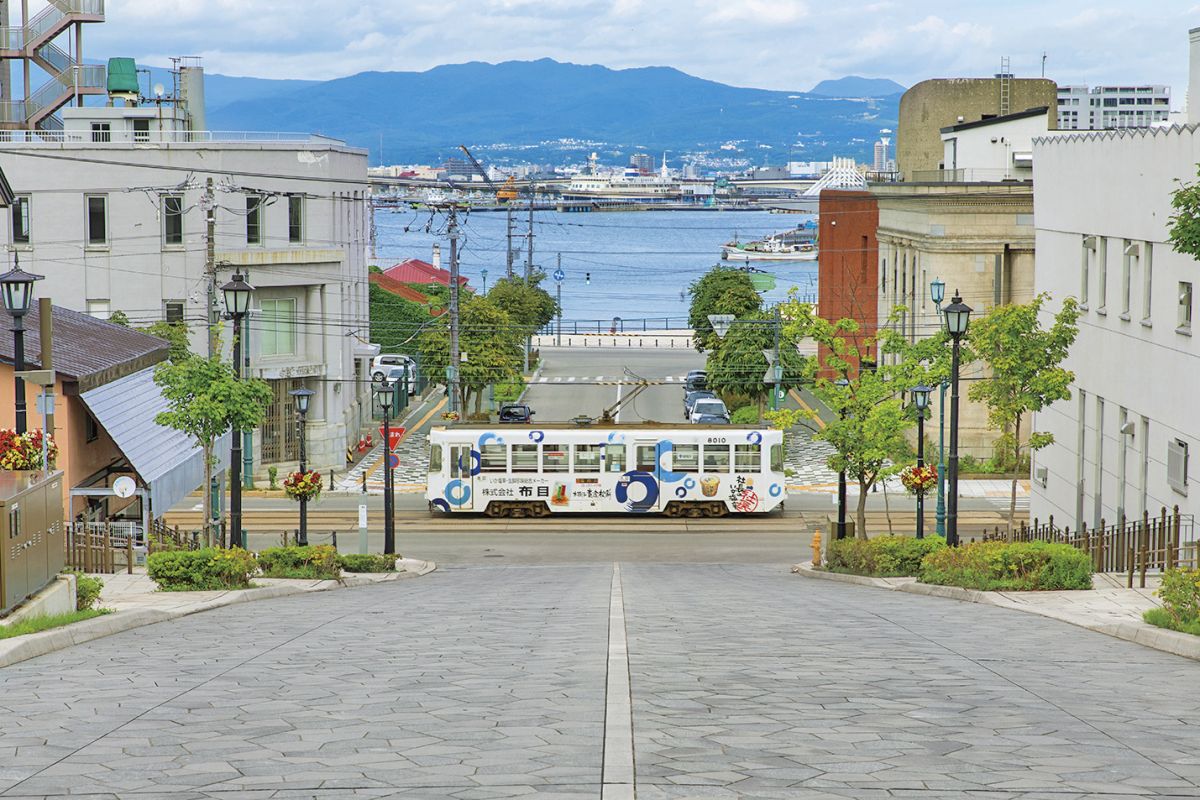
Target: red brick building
<point>848,285</point>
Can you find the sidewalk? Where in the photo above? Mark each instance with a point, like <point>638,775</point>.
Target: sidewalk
<point>136,601</point>
<point>1109,608</point>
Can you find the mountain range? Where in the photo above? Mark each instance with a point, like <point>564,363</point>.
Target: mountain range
<point>547,111</point>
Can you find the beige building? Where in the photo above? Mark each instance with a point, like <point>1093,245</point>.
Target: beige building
<point>979,239</point>
<point>932,105</point>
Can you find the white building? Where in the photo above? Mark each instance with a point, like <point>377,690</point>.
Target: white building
<point>1112,107</point>
<point>113,212</point>
<point>993,149</point>
<point>1102,205</point>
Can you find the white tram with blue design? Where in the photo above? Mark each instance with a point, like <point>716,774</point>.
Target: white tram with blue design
<point>538,470</point>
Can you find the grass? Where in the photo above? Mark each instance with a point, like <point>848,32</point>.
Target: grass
<point>1162,618</point>
<point>37,624</point>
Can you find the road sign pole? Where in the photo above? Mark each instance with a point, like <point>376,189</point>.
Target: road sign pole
<point>362,528</point>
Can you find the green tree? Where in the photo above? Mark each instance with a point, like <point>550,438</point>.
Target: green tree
<point>721,290</point>
<point>527,305</point>
<point>737,365</point>
<point>1184,224</point>
<point>119,318</point>
<point>174,332</point>
<point>1025,362</point>
<point>489,340</point>
<point>204,400</point>
<point>395,320</point>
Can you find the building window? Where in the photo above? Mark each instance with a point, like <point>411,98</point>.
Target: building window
<point>1085,268</point>
<point>173,310</point>
<point>20,220</point>
<point>97,220</point>
<point>1184,320</point>
<point>172,214</point>
<point>1128,265</point>
<point>100,309</point>
<point>101,132</point>
<point>278,327</point>
<point>1102,273</point>
<point>1147,281</point>
<point>295,218</point>
<point>254,220</point>
<point>1177,465</point>
<point>91,428</point>
<point>141,130</point>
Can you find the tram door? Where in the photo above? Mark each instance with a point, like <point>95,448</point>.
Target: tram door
<point>460,494</point>
<point>646,453</point>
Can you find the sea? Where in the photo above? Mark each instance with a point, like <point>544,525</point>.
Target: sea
<point>635,265</point>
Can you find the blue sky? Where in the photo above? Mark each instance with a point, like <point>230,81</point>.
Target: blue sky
<point>775,44</point>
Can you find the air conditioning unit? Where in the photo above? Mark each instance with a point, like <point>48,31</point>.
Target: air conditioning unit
<point>1041,474</point>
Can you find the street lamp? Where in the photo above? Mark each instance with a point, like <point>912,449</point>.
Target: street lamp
<point>921,401</point>
<point>958,316</point>
<point>237,304</point>
<point>302,396</point>
<point>483,274</point>
<point>16,286</point>
<point>842,383</point>
<point>937,292</point>
<point>384,393</point>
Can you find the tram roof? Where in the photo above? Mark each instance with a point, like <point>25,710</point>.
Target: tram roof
<point>615,426</point>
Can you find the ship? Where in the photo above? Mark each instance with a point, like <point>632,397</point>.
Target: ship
<point>797,245</point>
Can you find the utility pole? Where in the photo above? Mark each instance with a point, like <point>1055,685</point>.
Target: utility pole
<point>452,377</point>
<point>509,249</point>
<point>529,273</point>
<point>777,386</point>
<point>558,299</point>
<point>209,204</point>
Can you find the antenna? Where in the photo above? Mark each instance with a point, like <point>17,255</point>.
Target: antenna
<point>158,90</point>
<point>1043,63</point>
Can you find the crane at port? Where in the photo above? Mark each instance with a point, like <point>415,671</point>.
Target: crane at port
<point>503,193</point>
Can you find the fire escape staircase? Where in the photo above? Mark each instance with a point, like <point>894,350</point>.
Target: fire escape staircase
<point>35,42</point>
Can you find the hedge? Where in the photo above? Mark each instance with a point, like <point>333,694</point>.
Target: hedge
<point>1180,593</point>
<point>199,570</point>
<point>1019,566</point>
<point>311,561</point>
<point>367,562</point>
<point>881,557</point>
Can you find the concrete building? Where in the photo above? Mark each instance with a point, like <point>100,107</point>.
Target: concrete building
<point>642,162</point>
<point>112,211</point>
<point>995,149</point>
<point>932,105</point>
<point>1110,107</point>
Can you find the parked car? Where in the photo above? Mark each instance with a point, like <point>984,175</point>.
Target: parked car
<point>691,397</point>
<point>708,406</point>
<point>516,413</point>
<point>396,375</point>
<point>694,380</point>
<point>385,361</point>
<point>711,419</point>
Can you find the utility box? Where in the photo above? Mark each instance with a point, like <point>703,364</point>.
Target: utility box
<point>32,533</point>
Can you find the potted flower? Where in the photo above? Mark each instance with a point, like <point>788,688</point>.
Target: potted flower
<point>23,451</point>
<point>450,416</point>
<point>303,485</point>
<point>918,480</point>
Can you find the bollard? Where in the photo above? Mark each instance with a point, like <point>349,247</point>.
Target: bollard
<point>331,480</point>
<point>129,553</point>
<point>334,535</point>
<point>816,548</point>
<point>364,482</point>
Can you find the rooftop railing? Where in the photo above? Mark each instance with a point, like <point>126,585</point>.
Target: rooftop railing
<point>151,136</point>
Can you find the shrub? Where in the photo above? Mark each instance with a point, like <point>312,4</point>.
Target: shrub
<point>273,477</point>
<point>367,562</point>
<point>1020,566</point>
<point>881,557</point>
<point>87,591</point>
<point>509,391</point>
<point>37,624</point>
<point>1180,593</point>
<point>746,415</point>
<point>200,570</point>
<point>311,561</point>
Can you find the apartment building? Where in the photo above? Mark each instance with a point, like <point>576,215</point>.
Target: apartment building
<point>1101,108</point>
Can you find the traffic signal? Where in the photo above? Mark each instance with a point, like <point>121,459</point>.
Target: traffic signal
<point>587,278</point>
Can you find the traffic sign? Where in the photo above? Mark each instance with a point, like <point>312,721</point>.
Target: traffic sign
<point>559,275</point>
<point>393,460</point>
<point>394,435</point>
<point>721,323</point>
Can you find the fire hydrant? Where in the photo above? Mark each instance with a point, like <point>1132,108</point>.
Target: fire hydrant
<point>816,548</point>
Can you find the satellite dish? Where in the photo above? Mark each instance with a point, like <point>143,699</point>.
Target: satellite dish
<point>158,90</point>
<point>124,486</point>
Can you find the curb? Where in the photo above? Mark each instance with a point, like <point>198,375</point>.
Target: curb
<point>1145,634</point>
<point>23,648</point>
<point>529,381</point>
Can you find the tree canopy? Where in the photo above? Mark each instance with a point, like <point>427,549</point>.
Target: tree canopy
<point>527,304</point>
<point>492,344</point>
<point>738,366</point>
<point>1184,224</point>
<point>721,290</point>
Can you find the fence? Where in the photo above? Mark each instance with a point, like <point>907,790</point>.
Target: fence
<point>102,547</point>
<point>1131,547</point>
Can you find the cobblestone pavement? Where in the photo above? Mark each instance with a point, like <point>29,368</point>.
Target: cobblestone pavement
<point>490,682</point>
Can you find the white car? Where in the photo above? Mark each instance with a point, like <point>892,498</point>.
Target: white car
<point>395,376</point>
<point>385,362</point>
<point>708,406</point>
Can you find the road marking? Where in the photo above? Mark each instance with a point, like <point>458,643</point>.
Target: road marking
<point>407,431</point>
<point>670,379</point>
<point>542,380</point>
<point>558,380</point>
<point>616,781</point>
<point>571,379</point>
<point>816,419</point>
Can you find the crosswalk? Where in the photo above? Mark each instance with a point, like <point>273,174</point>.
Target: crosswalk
<point>609,380</point>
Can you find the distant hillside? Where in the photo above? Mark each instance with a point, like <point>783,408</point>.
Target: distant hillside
<point>552,112</point>
<point>854,86</point>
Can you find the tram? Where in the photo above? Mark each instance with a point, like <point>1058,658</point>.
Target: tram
<point>538,470</point>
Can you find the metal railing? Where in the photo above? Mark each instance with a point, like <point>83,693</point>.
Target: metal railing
<point>154,136</point>
<point>967,176</point>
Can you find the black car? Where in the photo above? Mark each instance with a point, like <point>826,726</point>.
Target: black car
<point>712,419</point>
<point>516,413</point>
<point>695,380</point>
<point>692,396</point>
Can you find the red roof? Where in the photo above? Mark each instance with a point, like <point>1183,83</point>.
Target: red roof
<point>414,270</point>
<point>393,286</point>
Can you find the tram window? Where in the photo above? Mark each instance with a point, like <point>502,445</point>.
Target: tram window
<point>524,458</point>
<point>587,458</point>
<point>747,458</point>
<point>435,458</point>
<point>716,458</point>
<point>555,458</point>
<point>685,458</point>
<point>614,456</point>
<point>493,458</point>
<point>647,461</point>
<point>776,458</point>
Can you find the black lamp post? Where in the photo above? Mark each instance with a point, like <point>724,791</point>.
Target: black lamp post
<point>384,392</point>
<point>937,293</point>
<point>921,401</point>
<point>302,396</point>
<point>237,304</point>
<point>958,316</point>
<point>16,286</point>
<point>842,383</point>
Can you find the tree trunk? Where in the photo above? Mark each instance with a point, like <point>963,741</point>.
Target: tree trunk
<point>1012,500</point>
<point>207,505</point>
<point>887,510</point>
<point>479,401</point>
<point>860,514</point>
